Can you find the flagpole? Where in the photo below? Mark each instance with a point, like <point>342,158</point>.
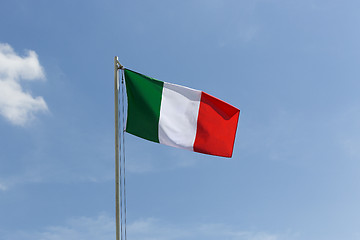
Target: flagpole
<point>117,189</point>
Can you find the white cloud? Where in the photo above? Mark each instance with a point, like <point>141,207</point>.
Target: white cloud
<point>82,228</point>
<point>347,131</point>
<point>17,105</point>
<point>103,227</point>
<point>151,229</point>
<point>3,187</point>
<point>7,183</point>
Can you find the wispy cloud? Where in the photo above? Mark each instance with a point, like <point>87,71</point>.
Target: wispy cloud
<point>17,105</point>
<point>151,229</point>
<point>103,227</point>
<point>82,228</point>
<point>3,187</point>
<point>347,131</point>
<point>7,183</point>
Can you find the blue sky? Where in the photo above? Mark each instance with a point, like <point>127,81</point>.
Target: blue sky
<point>292,67</point>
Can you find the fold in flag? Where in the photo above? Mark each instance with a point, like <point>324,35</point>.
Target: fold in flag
<point>178,116</point>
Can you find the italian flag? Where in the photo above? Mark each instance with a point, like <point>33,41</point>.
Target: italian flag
<point>178,116</point>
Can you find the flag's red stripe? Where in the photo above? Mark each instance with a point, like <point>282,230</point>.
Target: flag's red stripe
<point>216,127</point>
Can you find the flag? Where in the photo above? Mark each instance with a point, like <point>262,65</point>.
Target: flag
<point>179,116</point>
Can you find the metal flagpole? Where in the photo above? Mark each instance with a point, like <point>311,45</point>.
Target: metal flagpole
<point>119,156</point>
<point>117,200</point>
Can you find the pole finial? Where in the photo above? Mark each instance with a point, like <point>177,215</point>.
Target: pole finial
<point>118,64</point>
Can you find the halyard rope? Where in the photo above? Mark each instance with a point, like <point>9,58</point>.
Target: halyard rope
<point>123,144</point>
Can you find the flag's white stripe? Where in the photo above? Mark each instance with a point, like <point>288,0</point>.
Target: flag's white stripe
<point>178,116</point>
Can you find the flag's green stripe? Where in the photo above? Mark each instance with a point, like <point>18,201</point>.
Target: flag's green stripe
<point>144,100</point>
